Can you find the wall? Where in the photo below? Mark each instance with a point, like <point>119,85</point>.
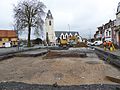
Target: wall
<point>117,24</point>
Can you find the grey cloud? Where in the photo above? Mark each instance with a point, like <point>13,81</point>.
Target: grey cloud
<point>82,15</point>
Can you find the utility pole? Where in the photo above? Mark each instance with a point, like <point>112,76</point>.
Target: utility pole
<point>90,35</point>
<point>69,28</point>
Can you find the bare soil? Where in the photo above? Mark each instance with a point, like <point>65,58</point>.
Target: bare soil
<point>63,70</point>
<point>64,53</point>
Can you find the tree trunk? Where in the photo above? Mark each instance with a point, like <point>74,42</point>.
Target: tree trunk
<point>47,39</point>
<point>29,33</point>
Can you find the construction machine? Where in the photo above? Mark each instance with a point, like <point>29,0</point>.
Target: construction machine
<point>63,42</point>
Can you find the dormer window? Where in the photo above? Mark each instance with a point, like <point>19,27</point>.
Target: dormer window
<point>62,36</point>
<point>70,35</point>
<point>76,34</point>
<point>66,35</point>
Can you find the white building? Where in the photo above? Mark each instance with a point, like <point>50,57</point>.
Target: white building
<point>67,35</point>
<point>49,27</point>
<point>108,31</point>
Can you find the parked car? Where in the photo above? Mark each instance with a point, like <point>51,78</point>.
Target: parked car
<point>7,44</point>
<point>90,43</point>
<point>98,43</point>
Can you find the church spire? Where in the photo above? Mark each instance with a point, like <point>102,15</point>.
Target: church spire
<point>118,8</point>
<point>49,15</point>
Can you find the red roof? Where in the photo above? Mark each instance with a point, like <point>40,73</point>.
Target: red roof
<point>8,34</point>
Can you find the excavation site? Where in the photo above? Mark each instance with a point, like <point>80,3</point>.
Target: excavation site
<point>72,69</point>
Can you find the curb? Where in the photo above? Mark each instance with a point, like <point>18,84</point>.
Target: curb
<point>11,54</point>
<point>6,57</point>
<point>32,54</point>
<point>108,57</point>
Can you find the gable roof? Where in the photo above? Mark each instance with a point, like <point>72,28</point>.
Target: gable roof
<point>58,33</point>
<point>8,34</point>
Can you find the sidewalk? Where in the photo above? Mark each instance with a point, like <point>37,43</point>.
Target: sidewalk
<point>116,52</point>
<point>110,57</point>
<point>25,53</point>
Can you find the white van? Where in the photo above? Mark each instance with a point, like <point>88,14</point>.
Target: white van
<point>7,44</point>
<point>97,43</point>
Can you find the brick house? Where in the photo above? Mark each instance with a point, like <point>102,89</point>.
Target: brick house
<point>8,36</point>
<point>99,33</point>
<point>106,32</point>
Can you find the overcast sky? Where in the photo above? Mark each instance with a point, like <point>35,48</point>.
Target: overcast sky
<point>83,16</point>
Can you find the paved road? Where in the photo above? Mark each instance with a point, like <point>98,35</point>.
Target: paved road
<point>6,50</point>
<point>14,49</point>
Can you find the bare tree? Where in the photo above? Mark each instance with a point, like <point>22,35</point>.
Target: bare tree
<point>28,15</point>
<point>47,39</point>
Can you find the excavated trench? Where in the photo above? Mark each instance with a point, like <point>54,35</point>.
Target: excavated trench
<point>73,69</point>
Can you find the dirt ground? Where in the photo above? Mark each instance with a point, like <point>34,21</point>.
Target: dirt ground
<point>63,70</point>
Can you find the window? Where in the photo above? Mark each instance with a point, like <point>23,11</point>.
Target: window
<point>66,36</point>
<point>0,39</point>
<point>9,39</point>
<point>62,36</point>
<point>109,33</point>
<point>50,23</point>
<point>70,36</point>
<point>106,34</point>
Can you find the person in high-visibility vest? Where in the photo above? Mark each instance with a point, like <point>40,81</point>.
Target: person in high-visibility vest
<point>113,47</point>
<point>105,45</point>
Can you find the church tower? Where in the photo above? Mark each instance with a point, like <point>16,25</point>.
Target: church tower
<point>49,26</point>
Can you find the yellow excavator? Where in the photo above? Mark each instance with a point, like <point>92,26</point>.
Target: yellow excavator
<point>63,42</point>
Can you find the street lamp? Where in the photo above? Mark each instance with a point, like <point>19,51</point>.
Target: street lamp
<point>69,28</point>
